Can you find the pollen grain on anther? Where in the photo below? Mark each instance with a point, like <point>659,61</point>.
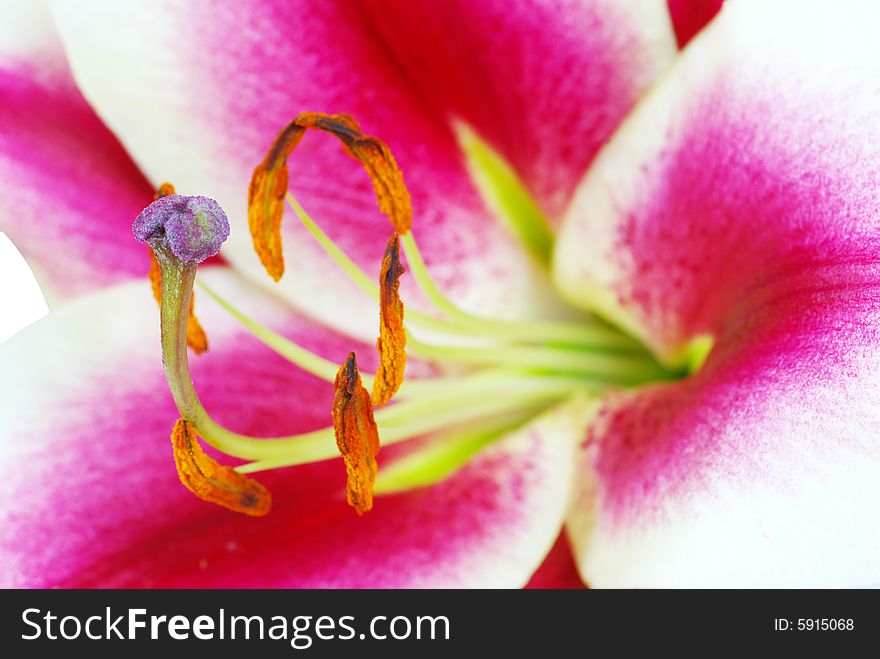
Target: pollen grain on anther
<point>356,435</point>
<point>266,199</point>
<point>270,179</point>
<point>391,344</point>
<point>391,193</point>
<point>213,482</point>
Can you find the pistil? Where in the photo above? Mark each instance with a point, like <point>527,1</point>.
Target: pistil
<point>196,338</point>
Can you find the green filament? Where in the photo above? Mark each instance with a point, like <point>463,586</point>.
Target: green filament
<point>506,194</point>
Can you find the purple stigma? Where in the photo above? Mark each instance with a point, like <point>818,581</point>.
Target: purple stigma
<point>193,228</point>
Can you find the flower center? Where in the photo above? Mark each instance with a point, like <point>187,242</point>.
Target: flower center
<point>492,375</point>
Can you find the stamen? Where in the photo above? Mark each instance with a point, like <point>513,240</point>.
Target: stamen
<point>358,276</point>
<point>457,403</point>
<point>391,343</point>
<point>265,197</point>
<point>342,260</point>
<point>588,332</point>
<point>293,352</point>
<point>270,178</point>
<point>212,482</point>
<point>587,369</point>
<point>356,435</point>
<point>391,193</point>
<point>609,368</point>
<point>195,335</point>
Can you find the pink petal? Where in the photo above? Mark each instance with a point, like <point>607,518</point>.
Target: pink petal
<point>91,498</point>
<point>68,191</point>
<point>198,91</point>
<point>558,571</point>
<point>545,83</point>
<point>691,16</point>
<point>740,201</point>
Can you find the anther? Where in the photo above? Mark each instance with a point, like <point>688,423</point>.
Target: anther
<point>391,343</point>
<point>269,182</point>
<point>356,435</point>
<point>213,482</point>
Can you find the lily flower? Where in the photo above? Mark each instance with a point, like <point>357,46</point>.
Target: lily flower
<point>617,289</point>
